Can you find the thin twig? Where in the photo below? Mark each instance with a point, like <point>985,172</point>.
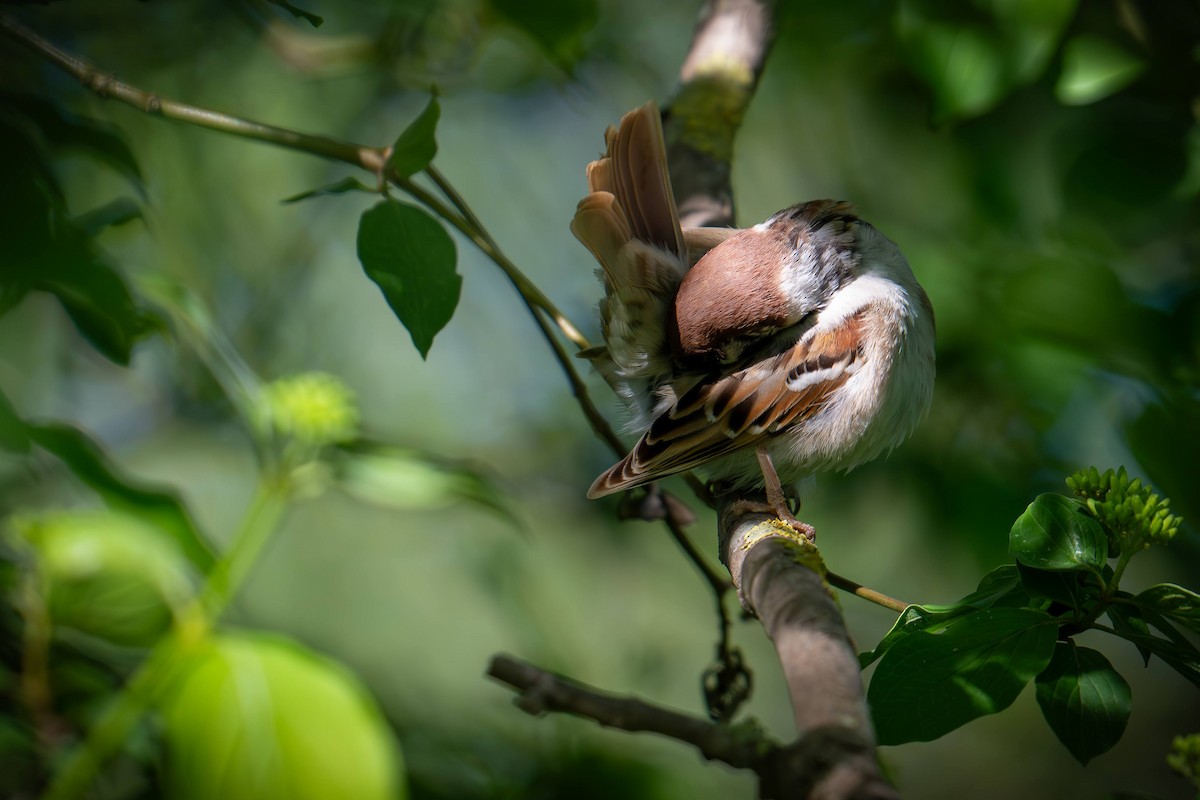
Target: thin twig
<point>543,691</point>
<point>107,86</point>
<point>857,589</point>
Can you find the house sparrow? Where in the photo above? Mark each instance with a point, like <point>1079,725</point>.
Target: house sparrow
<point>760,355</point>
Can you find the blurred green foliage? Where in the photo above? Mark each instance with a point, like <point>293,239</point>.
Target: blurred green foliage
<point>1038,162</point>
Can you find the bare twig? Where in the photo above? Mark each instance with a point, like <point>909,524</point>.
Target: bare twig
<point>871,595</point>
<point>542,691</point>
<point>815,766</point>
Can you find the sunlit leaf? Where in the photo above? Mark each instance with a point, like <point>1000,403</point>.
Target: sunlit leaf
<point>1000,588</point>
<point>91,464</point>
<point>1085,701</point>
<point>341,187</point>
<point>409,255</point>
<point>417,144</point>
<point>928,684</point>
<point>261,717</point>
<point>107,574</point>
<point>1094,68</point>
<point>1055,533</point>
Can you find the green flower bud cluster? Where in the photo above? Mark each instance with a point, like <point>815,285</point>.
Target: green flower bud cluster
<point>1132,512</point>
<point>313,408</point>
<point>1184,757</point>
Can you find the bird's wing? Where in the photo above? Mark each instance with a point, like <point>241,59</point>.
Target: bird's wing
<point>719,416</point>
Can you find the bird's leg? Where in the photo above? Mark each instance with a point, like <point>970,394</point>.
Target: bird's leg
<point>776,498</point>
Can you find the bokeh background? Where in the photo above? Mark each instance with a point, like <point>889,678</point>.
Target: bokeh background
<point>1038,163</point>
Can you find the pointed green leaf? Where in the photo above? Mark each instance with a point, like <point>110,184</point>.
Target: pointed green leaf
<point>257,716</point>
<point>1182,657</point>
<point>929,683</point>
<point>1085,701</point>
<point>411,258</point>
<point>91,464</point>
<point>1094,68</point>
<point>1055,533</point>
<point>1128,621</point>
<point>341,187</point>
<point>1000,587</point>
<point>1174,602</point>
<point>417,145</point>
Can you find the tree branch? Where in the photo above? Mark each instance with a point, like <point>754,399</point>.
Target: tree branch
<point>717,83</point>
<point>779,577</point>
<point>541,692</point>
<point>817,766</point>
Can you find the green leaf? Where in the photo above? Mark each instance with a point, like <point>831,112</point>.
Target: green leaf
<point>930,683</point>
<point>107,574</point>
<point>90,464</point>
<point>999,588</point>
<point>417,145</point>
<point>341,187</point>
<point>1075,590</point>
<point>1055,533</point>
<point>1085,701</point>
<point>409,255</point>
<point>47,250</point>
<point>402,479</point>
<point>973,53</point>
<point>1173,602</point>
<point>1128,621</point>
<point>1181,655</point>
<point>64,130</point>
<point>262,717</point>
<point>1094,68</point>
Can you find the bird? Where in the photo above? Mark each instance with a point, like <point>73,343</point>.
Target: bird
<point>756,356</point>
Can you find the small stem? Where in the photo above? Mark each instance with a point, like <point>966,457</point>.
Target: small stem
<point>36,691</point>
<point>106,86</point>
<point>879,598</point>
<point>1115,581</point>
<point>169,655</point>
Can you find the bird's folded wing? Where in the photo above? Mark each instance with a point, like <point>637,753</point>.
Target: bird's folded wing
<point>719,416</point>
